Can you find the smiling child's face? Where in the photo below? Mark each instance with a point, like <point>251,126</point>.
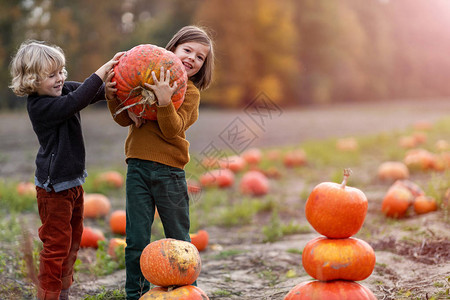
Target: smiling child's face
<point>192,55</point>
<point>52,85</point>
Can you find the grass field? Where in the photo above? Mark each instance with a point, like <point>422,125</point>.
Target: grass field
<point>256,243</point>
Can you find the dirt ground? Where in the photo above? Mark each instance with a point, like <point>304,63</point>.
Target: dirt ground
<point>257,270</point>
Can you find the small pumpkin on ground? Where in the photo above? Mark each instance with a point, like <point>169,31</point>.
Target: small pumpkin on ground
<point>254,183</point>
<point>169,262</point>
<point>109,178</point>
<point>96,205</point>
<point>118,221</point>
<point>393,170</point>
<point>397,200</point>
<point>425,204</point>
<point>116,245</point>
<point>90,237</point>
<point>200,239</point>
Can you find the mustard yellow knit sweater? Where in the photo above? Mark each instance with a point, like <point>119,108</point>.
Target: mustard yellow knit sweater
<point>164,140</point>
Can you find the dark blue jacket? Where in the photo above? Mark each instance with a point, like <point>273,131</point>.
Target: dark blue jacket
<point>57,124</point>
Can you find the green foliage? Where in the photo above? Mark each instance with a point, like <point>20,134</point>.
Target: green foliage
<point>326,51</point>
<point>108,295</point>
<point>11,201</point>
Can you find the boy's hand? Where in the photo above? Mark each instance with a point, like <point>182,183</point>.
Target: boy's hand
<point>110,86</point>
<point>162,89</point>
<point>104,70</point>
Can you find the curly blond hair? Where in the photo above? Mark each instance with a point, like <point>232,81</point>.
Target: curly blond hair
<point>34,62</point>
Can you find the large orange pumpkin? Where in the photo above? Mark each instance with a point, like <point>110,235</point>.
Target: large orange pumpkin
<point>186,292</point>
<point>336,210</point>
<point>330,259</point>
<point>332,290</point>
<point>169,262</point>
<point>135,68</point>
<point>96,205</point>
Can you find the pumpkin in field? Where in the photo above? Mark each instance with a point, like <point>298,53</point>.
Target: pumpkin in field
<point>193,187</point>
<point>393,170</point>
<point>116,245</point>
<point>110,178</point>
<point>397,200</point>
<point>235,163</point>
<point>186,292</point>
<point>420,159</point>
<point>411,186</point>
<point>336,210</point>
<point>424,204</point>
<point>117,221</point>
<point>25,188</point>
<point>330,259</point>
<point>254,183</point>
<point>332,290</point>
<point>134,69</point>
<point>96,205</point>
<point>442,145</point>
<point>294,158</point>
<point>407,142</point>
<point>252,156</point>
<point>200,239</point>
<point>422,125</point>
<point>420,137</point>
<point>221,178</point>
<point>168,262</point>
<point>347,144</point>
<point>90,237</point>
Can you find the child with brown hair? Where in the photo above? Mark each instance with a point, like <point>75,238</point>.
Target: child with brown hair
<point>157,151</point>
<point>38,70</point>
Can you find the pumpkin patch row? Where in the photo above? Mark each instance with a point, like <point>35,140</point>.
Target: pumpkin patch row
<point>336,259</point>
<point>404,194</point>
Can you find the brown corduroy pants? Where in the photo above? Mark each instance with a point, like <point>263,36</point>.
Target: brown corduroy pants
<point>62,225</point>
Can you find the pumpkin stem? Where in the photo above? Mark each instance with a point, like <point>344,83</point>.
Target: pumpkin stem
<point>148,97</point>
<point>347,173</point>
<point>171,288</point>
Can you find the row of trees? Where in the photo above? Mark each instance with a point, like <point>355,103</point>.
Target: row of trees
<point>295,51</point>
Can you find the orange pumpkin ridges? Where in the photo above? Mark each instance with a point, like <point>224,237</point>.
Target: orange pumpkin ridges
<point>179,293</point>
<point>330,259</point>
<point>336,210</point>
<point>135,68</point>
<point>332,290</point>
<point>168,262</point>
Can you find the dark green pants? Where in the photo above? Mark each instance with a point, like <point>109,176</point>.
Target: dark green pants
<point>151,184</point>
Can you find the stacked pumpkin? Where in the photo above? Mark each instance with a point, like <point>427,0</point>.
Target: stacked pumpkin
<point>173,266</point>
<point>336,259</point>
